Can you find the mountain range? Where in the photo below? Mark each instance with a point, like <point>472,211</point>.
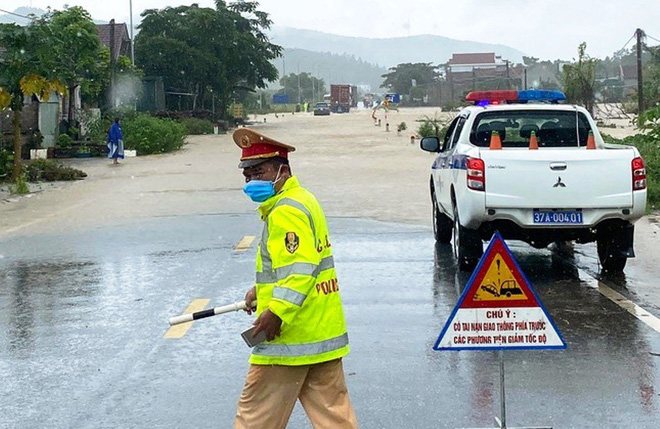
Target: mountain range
<point>388,52</point>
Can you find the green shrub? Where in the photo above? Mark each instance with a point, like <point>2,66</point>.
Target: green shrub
<point>74,133</point>
<point>148,135</point>
<point>123,113</point>
<point>50,171</point>
<point>195,126</point>
<point>96,127</point>
<point>6,163</point>
<point>20,187</point>
<point>64,141</point>
<point>428,129</point>
<point>435,126</point>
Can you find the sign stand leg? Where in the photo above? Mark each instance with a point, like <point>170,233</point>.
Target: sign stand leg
<point>501,421</point>
<point>500,305</point>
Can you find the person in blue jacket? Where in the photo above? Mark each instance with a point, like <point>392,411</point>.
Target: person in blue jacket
<point>115,142</point>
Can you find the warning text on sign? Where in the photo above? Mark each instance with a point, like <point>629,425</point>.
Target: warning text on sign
<point>516,327</point>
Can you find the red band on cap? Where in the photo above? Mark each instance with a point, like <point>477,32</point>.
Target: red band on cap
<point>262,150</point>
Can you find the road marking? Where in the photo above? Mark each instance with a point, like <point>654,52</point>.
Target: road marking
<point>178,331</point>
<point>620,300</point>
<point>245,243</point>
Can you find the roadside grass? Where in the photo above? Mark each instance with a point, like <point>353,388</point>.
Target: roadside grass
<point>20,187</point>
<point>46,170</point>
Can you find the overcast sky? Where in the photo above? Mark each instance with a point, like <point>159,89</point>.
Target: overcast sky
<point>548,29</point>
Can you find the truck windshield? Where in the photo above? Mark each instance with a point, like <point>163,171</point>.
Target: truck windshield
<point>552,128</point>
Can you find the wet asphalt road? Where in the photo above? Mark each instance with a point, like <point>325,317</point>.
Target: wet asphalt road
<point>82,319</point>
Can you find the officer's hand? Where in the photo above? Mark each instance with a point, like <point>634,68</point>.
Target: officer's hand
<point>269,323</point>
<point>250,296</point>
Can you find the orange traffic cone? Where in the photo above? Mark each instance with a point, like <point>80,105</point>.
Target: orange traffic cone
<point>533,142</point>
<point>495,141</point>
<point>591,142</point>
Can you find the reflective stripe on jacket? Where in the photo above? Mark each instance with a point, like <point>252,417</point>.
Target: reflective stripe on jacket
<point>296,280</point>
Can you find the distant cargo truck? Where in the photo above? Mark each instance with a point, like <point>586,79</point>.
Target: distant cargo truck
<point>342,98</point>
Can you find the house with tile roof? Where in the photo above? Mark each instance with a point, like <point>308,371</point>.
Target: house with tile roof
<point>119,42</point>
<point>480,70</point>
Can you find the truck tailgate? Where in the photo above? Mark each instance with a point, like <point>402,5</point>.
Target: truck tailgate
<point>558,178</point>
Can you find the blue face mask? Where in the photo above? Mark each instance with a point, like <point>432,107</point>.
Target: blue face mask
<point>259,190</point>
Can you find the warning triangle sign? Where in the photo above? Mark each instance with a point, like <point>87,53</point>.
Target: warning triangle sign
<point>499,309</point>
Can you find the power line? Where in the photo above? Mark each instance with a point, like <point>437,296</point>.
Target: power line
<point>624,46</point>
<point>651,37</point>
<point>15,14</point>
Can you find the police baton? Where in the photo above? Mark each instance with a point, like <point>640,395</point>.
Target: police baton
<point>189,317</point>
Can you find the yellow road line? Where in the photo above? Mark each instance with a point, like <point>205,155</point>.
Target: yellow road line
<point>245,243</point>
<point>178,331</point>
<point>650,320</point>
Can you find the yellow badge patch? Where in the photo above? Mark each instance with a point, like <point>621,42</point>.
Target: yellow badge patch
<point>291,242</point>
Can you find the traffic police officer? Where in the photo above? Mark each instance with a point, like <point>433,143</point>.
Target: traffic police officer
<point>298,303</point>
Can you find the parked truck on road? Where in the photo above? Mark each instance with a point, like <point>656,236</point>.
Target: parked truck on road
<point>342,98</point>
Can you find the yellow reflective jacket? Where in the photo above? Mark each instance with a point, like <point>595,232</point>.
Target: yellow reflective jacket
<point>296,280</point>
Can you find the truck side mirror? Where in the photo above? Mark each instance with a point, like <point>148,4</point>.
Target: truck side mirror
<point>431,144</point>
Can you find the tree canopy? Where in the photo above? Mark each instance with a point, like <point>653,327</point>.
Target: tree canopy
<point>580,80</point>
<point>206,51</point>
<point>28,69</point>
<point>400,78</point>
<point>76,45</point>
<point>651,79</point>
<point>308,87</point>
<point>27,66</point>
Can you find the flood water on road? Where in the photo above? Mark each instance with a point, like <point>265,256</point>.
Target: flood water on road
<point>83,317</point>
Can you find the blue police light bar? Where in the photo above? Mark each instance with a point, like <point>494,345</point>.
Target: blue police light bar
<point>541,95</point>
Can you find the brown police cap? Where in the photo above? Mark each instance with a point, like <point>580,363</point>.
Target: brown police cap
<point>257,148</point>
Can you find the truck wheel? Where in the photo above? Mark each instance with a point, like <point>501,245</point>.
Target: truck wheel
<point>611,260</point>
<point>468,247</point>
<point>442,224</point>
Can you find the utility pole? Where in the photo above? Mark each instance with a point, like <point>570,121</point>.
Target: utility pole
<point>299,97</point>
<point>212,102</point>
<point>640,91</point>
<point>130,5</point>
<point>525,73</point>
<point>113,65</point>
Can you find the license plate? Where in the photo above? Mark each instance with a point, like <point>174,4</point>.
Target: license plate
<point>558,217</point>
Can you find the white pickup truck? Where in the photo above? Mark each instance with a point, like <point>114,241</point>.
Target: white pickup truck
<point>537,171</point>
